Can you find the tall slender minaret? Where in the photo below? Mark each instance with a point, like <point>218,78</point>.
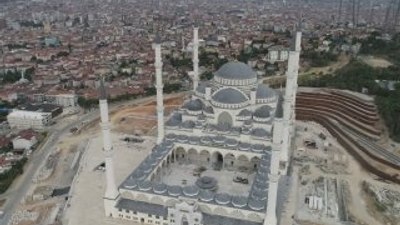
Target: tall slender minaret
<point>271,218</point>
<point>159,87</point>
<point>290,97</point>
<point>183,44</point>
<point>111,189</point>
<point>195,56</point>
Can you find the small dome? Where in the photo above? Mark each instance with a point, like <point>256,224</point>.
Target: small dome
<point>160,188</point>
<point>263,92</point>
<point>191,191</point>
<point>260,132</point>
<point>174,190</point>
<point>235,71</point>
<point>239,201</point>
<point>189,124</point>
<point>175,120</point>
<point>229,96</point>
<point>194,105</point>
<point>263,111</point>
<point>245,113</point>
<point>256,204</point>
<point>223,199</point>
<point>206,183</point>
<point>206,195</point>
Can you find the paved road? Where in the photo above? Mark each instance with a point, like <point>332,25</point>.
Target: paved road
<point>21,188</point>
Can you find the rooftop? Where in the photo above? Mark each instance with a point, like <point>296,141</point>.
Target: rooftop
<point>235,71</point>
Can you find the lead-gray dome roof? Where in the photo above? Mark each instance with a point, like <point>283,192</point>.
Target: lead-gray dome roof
<point>194,105</point>
<point>235,71</point>
<point>263,112</point>
<point>263,91</point>
<point>229,96</point>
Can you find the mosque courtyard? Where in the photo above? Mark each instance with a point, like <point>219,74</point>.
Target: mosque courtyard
<point>187,174</point>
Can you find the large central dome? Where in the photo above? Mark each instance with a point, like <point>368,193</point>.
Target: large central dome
<point>235,71</point>
<point>235,74</point>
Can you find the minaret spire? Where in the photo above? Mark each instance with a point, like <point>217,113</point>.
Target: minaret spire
<point>270,217</point>
<point>290,96</point>
<point>159,88</point>
<point>111,188</point>
<point>195,56</point>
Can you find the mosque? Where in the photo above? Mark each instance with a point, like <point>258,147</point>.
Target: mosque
<point>218,159</point>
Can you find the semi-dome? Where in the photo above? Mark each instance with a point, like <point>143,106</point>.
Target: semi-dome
<point>229,96</point>
<point>263,112</point>
<point>263,92</point>
<point>235,71</point>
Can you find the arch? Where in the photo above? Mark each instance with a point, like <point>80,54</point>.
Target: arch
<point>225,119</point>
<point>243,161</point>
<point>142,197</point>
<point>205,157</point>
<point>192,155</point>
<point>157,200</point>
<point>180,153</point>
<point>254,217</point>
<point>217,160</point>
<point>229,160</point>
<point>171,202</point>
<point>254,162</point>
<point>184,220</point>
<point>243,157</point>
<point>220,211</point>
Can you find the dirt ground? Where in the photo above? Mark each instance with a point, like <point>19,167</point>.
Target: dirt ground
<point>376,62</point>
<point>140,119</point>
<point>42,209</point>
<point>342,61</point>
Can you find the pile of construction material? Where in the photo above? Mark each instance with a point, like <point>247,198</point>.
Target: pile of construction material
<point>386,201</point>
<point>23,215</point>
<point>48,168</point>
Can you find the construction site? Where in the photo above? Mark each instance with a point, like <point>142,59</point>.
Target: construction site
<point>347,170</point>
<point>343,166</point>
<point>49,195</point>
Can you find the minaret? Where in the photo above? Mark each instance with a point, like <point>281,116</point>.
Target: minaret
<point>271,218</point>
<point>159,88</point>
<point>290,97</point>
<point>195,56</point>
<point>183,44</point>
<point>111,189</point>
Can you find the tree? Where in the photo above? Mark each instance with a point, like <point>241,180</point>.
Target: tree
<point>207,75</point>
<point>87,103</point>
<point>357,75</point>
<point>62,54</point>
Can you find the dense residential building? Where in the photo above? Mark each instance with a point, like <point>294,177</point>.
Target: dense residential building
<point>25,140</point>
<point>22,119</point>
<point>64,100</point>
<point>277,53</point>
